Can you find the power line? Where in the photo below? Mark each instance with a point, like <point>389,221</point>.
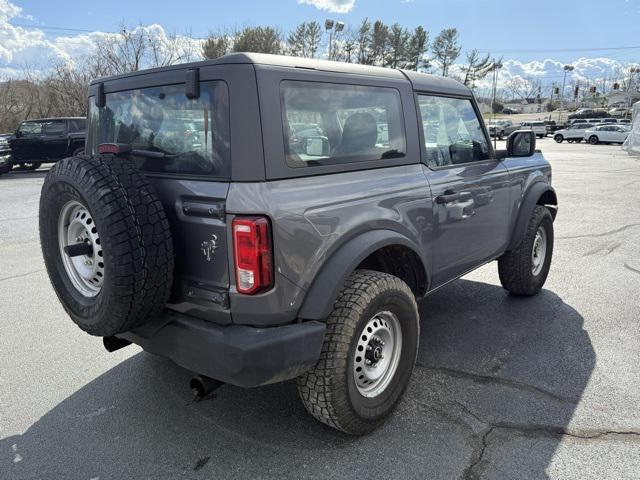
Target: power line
<point>514,50</point>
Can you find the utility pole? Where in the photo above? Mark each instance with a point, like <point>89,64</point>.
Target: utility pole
<point>496,66</point>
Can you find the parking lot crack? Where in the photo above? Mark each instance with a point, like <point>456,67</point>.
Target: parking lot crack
<point>598,235</point>
<point>484,379</point>
<point>630,268</point>
<point>20,275</point>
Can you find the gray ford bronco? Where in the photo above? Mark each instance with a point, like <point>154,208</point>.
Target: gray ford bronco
<point>261,218</point>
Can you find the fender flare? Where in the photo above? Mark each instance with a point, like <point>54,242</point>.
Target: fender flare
<point>529,202</point>
<point>320,297</point>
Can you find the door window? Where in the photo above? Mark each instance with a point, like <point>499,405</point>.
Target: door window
<point>30,128</point>
<point>452,132</point>
<point>328,124</point>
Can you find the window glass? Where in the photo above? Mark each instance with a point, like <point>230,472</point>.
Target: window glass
<point>77,125</point>
<point>452,132</point>
<point>53,128</point>
<point>193,133</point>
<point>327,124</point>
<point>30,128</point>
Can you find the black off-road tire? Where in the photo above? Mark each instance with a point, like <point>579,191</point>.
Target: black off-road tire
<point>515,266</point>
<point>134,238</point>
<point>329,391</point>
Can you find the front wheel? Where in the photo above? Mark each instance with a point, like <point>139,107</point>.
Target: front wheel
<point>524,269</point>
<point>558,138</point>
<point>593,140</point>
<point>367,357</point>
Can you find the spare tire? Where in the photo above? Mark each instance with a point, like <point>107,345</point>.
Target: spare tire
<point>106,243</point>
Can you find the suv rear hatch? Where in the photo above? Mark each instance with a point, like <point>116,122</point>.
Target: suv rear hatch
<point>182,144</point>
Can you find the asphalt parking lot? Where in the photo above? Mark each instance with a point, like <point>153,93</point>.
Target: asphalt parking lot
<point>544,387</point>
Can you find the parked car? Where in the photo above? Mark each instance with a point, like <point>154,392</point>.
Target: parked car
<point>589,113</point>
<point>5,153</point>
<point>509,111</point>
<point>538,127</point>
<point>572,133</point>
<point>502,128</point>
<point>619,112</point>
<point>552,126</point>
<point>47,140</point>
<point>607,134</point>
<point>251,262</point>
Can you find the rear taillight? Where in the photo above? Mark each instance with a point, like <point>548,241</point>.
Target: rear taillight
<point>252,254</point>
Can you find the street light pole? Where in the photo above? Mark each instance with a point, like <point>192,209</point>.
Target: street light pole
<point>567,68</point>
<point>332,26</point>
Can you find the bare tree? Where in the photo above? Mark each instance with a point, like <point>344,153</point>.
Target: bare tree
<point>524,89</point>
<point>446,48</point>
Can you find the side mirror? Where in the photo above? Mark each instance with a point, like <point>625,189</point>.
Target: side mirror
<point>317,146</point>
<point>18,134</point>
<point>521,143</point>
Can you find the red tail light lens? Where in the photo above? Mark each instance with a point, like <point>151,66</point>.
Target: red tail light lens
<point>252,254</point>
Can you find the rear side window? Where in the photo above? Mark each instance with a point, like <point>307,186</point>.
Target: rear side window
<point>328,124</point>
<point>77,125</point>
<point>452,132</point>
<point>54,128</point>
<point>193,133</point>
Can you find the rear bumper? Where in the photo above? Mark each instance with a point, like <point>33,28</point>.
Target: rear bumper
<point>236,354</point>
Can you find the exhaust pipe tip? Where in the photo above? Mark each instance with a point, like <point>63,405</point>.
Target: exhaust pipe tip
<point>201,386</point>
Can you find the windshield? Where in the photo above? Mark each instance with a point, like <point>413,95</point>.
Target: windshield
<point>194,133</point>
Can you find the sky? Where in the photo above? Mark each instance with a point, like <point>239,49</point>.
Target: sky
<point>536,36</point>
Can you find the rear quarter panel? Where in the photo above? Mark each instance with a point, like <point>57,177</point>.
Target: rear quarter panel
<point>313,216</point>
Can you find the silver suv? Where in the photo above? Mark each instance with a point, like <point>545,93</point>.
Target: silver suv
<point>261,218</point>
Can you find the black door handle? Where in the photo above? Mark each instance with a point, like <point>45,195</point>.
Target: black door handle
<point>452,197</point>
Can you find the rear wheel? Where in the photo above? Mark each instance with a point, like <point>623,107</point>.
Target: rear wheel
<point>78,151</point>
<point>558,138</point>
<point>368,354</point>
<point>5,169</point>
<point>593,140</point>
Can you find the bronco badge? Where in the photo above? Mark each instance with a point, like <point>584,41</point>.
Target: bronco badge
<point>208,248</point>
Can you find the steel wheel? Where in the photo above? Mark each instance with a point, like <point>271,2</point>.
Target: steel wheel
<point>539,251</point>
<point>76,226</point>
<point>377,354</point>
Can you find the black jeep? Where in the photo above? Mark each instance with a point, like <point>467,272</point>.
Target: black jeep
<point>46,140</point>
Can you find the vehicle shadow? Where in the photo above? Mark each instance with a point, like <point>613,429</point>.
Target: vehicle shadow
<point>21,174</point>
<point>485,358</point>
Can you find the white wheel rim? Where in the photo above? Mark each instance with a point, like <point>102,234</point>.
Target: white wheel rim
<point>539,251</point>
<point>377,354</point>
<point>76,225</point>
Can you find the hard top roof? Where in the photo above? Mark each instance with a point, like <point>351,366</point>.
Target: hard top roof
<point>420,81</point>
